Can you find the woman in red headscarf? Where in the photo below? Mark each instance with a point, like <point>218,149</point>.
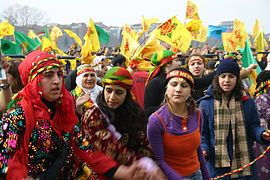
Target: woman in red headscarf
<point>39,135</point>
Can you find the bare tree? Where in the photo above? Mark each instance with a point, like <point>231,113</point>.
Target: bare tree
<point>22,15</point>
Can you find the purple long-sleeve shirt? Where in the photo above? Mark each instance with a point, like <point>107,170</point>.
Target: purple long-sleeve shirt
<point>155,130</point>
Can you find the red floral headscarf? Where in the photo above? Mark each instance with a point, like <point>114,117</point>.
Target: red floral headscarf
<point>35,110</point>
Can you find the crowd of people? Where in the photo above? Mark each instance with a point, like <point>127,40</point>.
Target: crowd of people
<point>188,117</point>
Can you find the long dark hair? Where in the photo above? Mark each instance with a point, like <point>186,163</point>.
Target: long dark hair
<point>129,118</point>
<point>237,91</point>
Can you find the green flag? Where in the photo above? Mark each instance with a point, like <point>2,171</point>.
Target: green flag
<point>26,42</point>
<point>103,36</point>
<point>248,58</point>
<point>8,47</point>
<point>47,33</point>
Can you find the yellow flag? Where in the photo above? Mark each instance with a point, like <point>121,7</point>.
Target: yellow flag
<point>146,24</point>
<point>6,29</point>
<point>55,34</point>
<point>151,46</point>
<point>73,64</point>
<point>174,33</point>
<point>48,46</point>
<point>260,45</point>
<point>239,34</point>
<point>92,37</point>
<point>197,30</point>
<point>74,36</point>
<point>192,11</point>
<point>86,53</point>
<point>228,44</point>
<point>256,29</point>
<point>194,25</point>
<point>127,29</point>
<point>129,45</point>
<point>201,35</point>
<point>31,34</point>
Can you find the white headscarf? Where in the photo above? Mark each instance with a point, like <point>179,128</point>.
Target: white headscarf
<point>95,90</point>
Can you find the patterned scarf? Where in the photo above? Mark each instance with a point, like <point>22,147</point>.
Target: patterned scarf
<point>228,116</point>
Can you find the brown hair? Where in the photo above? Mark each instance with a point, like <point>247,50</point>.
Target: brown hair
<point>13,71</point>
<point>237,91</point>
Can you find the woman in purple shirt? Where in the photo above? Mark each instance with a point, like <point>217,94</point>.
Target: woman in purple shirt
<point>174,130</point>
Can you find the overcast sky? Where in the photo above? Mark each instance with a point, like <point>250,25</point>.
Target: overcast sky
<point>120,12</point>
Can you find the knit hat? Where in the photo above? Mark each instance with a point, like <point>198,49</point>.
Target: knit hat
<point>162,57</point>
<point>228,66</point>
<point>181,73</point>
<point>119,76</point>
<point>159,59</point>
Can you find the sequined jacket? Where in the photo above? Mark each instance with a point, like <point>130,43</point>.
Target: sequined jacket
<point>46,148</point>
<point>119,145</point>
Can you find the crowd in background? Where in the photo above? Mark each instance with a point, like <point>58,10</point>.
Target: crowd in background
<point>191,115</point>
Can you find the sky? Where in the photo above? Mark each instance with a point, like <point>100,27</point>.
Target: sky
<point>121,12</point>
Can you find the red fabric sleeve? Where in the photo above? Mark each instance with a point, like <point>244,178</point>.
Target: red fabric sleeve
<point>98,161</point>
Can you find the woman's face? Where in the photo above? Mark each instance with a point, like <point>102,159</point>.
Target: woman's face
<point>196,66</point>
<point>51,84</point>
<point>227,82</point>
<point>178,90</point>
<point>114,95</point>
<point>89,80</point>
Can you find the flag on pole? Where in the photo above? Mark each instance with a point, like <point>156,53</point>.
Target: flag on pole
<point>55,34</point>
<point>151,46</point>
<point>74,36</point>
<point>239,34</point>
<point>48,46</point>
<point>216,31</point>
<point>256,29</point>
<point>192,11</point>
<point>103,36</point>
<point>174,33</point>
<point>248,59</point>
<point>6,29</point>
<point>9,47</point>
<point>91,37</point>
<point>26,42</point>
<point>129,45</point>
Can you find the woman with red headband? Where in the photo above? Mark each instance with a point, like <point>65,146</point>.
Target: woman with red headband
<point>174,129</point>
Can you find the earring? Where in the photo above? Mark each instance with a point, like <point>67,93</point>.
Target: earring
<point>40,93</point>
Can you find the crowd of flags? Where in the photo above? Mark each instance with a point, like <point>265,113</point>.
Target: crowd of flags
<point>177,35</point>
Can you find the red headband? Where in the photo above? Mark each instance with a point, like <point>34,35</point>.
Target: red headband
<point>198,59</point>
<point>181,74</point>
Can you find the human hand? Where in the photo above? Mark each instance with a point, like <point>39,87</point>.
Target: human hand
<point>80,101</point>
<point>133,172</point>
<point>158,175</point>
<point>251,67</point>
<point>266,135</point>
